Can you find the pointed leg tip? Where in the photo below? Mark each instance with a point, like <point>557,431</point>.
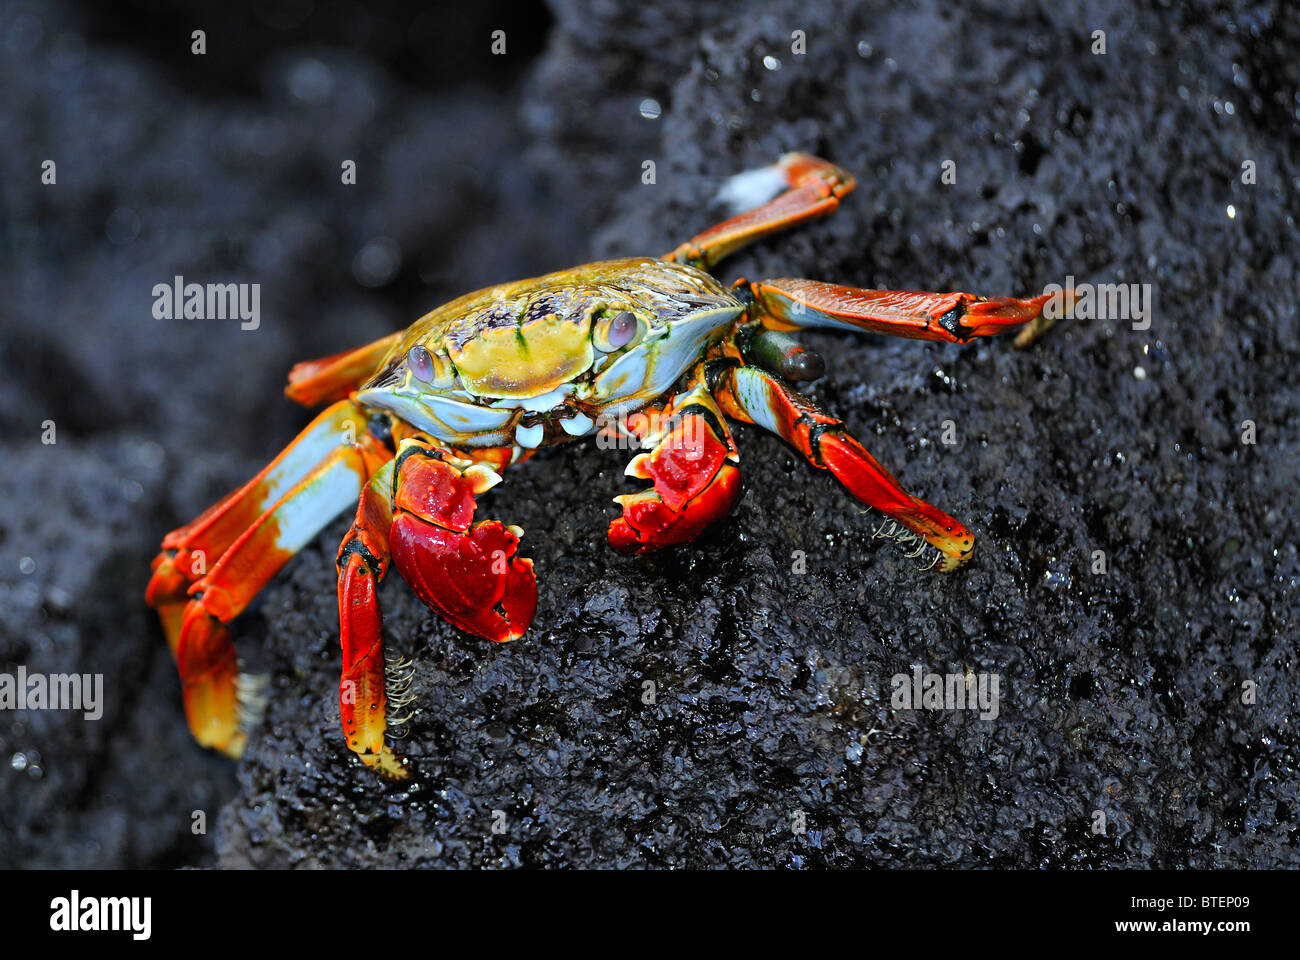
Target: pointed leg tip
<point>947,563</point>
<point>389,764</point>
<point>1032,331</point>
<point>954,551</point>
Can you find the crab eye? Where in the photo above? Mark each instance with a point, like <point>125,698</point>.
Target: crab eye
<point>421,364</point>
<point>618,331</point>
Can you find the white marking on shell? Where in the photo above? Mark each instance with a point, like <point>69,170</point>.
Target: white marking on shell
<point>466,417</point>
<point>529,437</point>
<point>538,404</point>
<point>445,418</point>
<point>578,425</point>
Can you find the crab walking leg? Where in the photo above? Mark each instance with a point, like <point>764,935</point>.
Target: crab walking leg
<point>362,563</point>
<point>812,188</point>
<point>693,466</point>
<point>336,376</point>
<point>469,573</point>
<point>755,396</point>
<point>788,304</point>
<point>188,551</point>
<point>205,653</point>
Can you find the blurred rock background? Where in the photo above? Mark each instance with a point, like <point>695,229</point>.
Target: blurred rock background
<point>1120,693</point>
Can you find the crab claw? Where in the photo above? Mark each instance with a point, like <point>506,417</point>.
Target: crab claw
<point>648,523</point>
<point>695,483</point>
<point>471,575</point>
<point>474,579</point>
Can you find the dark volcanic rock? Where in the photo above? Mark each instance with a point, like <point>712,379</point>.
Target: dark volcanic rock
<point>1121,693</point>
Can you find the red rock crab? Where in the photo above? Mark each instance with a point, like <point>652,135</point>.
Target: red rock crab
<point>422,423</point>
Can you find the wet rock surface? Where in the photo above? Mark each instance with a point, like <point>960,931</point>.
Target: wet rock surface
<point>1120,693</point>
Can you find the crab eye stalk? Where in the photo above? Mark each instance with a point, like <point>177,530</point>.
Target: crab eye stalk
<point>428,367</point>
<point>421,364</point>
<point>616,331</point>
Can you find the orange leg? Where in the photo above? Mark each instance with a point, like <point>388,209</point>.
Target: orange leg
<point>755,396</point>
<point>787,304</point>
<point>811,188</point>
<point>469,574</point>
<point>362,563</point>
<point>189,551</point>
<point>693,466</point>
<point>205,652</point>
<point>335,377</point>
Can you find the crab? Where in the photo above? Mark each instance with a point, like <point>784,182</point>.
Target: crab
<point>422,423</point>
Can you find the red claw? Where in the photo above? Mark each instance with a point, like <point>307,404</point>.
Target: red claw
<point>430,487</point>
<point>475,580</point>
<point>695,486</point>
<point>471,575</point>
<point>648,523</point>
